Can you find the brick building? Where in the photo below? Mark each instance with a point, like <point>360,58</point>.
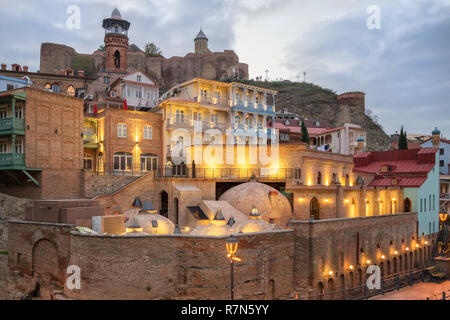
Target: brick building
<point>41,144</point>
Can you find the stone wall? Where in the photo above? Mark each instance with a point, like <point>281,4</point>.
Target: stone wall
<point>95,185</point>
<point>37,253</point>
<point>3,276</point>
<point>334,245</point>
<point>10,208</point>
<point>151,267</point>
<point>167,71</point>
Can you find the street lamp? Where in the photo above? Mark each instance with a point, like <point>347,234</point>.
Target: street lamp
<point>232,246</point>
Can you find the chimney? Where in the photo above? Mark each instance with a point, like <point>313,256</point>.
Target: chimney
<point>25,68</point>
<point>81,73</point>
<point>16,67</point>
<point>3,67</point>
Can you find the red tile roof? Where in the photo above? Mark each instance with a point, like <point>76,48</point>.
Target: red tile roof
<point>409,167</point>
<point>410,182</point>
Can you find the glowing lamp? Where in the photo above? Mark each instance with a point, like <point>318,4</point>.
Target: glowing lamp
<point>426,242</point>
<point>368,262</point>
<point>395,252</point>
<point>254,214</point>
<point>394,199</point>
<point>301,199</point>
<point>347,201</point>
<point>443,217</point>
<point>417,245</point>
<point>407,249</point>
<point>351,267</point>
<point>232,245</point>
<point>383,257</point>
<point>134,226</point>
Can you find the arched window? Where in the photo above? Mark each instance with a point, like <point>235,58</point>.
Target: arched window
<point>47,86</point>
<point>117,59</point>
<point>56,88</point>
<point>175,208</point>
<point>123,161</point>
<point>164,211</point>
<point>314,209</point>
<point>71,91</point>
<point>347,180</point>
<point>319,178</point>
<point>407,205</point>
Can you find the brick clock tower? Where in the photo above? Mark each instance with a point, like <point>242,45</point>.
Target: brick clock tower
<point>116,42</point>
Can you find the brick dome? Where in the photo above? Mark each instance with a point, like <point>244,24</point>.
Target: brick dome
<point>273,206</point>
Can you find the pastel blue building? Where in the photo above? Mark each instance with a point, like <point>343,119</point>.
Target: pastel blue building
<point>10,83</point>
<point>444,150</point>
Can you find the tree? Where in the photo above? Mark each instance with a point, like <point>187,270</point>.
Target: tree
<point>305,134</point>
<point>101,48</point>
<point>402,140</point>
<point>151,50</point>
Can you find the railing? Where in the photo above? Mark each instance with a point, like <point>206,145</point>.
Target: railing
<point>11,159</point>
<point>360,292</point>
<point>214,101</point>
<point>7,124</point>
<point>90,139</point>
<point>184,171</point>
<point>109,169</point>
<point>445,195</point>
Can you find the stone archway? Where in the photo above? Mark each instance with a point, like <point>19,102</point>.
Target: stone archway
<point>314,209</point>
<point>164,208</point>
<point>45,261</point>
<point>407,205</point>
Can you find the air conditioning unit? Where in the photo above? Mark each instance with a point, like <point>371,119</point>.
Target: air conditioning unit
<point>89,97</point>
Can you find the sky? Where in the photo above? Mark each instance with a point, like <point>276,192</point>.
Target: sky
<point>397,53</point>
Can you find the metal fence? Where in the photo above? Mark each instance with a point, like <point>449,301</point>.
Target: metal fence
<point>445,295</point>
<point>183,171</point>
<point>109,169</point>
<point>361,292</point>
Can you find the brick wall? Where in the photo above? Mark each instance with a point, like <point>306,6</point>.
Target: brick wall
<point>3,276</point>
<point>333,245</point>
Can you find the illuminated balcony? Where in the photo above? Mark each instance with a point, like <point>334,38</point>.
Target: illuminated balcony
<point>90,141</point>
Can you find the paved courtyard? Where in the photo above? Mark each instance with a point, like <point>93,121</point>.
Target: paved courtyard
<point>419,291</point>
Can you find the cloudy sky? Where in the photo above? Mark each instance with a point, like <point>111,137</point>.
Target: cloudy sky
<point>404,67</point>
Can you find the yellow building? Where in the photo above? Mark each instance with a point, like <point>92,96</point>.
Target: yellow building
<point>201,111</point>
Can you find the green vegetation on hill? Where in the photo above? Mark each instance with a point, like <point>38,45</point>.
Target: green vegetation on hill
<point>86,63</point>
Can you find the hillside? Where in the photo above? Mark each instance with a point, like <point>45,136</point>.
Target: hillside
<point>312,102</point>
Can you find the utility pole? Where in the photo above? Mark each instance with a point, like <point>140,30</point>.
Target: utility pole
<point>304,76</point>
<point>267,73</point>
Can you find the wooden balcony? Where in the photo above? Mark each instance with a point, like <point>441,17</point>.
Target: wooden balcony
<point>11,126</point>
<point>12,161</point>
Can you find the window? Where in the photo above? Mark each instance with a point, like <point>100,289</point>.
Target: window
<point>147,132</point>
<point>121,130</point>
<point>215,118</point>
<point>47,86</point>
<point>138,92</point>
<point>138,78</point>
<point>442,152</point>
<point>3,148</point>
<point>425,204</point>
<point>441,163</point>
<point>179,116</point>
<point>197,116</point>
<point>128,91</point>
<point>434,202</point>
<point>260,124</point>
<point>56,88</point>
<point>71,91</point>
<point>319,178</point>
<point>203,93</point>
<point>106,80</point>
<point>19,112</point>
<point>10,86</point>
<point>123,161</point>
<point>87,161</point>
<point>430,204</point>
<point>284,137</point>
<point>3,113</point>
<point>149,162</point>
<point>421,205</point>
<point>19,146</point>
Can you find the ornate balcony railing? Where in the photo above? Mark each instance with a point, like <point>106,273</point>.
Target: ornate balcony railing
<point>9,160</point>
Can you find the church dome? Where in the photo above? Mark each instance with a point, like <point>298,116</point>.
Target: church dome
<point>436,131</point>
<point>273,206</point>
<point>116,14</point>
<point>201,35</point>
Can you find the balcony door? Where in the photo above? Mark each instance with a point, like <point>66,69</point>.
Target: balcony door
<point>123,161</point>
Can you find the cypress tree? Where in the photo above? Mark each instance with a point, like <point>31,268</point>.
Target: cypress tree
<point>305,134</point>
<point>402,141</point>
